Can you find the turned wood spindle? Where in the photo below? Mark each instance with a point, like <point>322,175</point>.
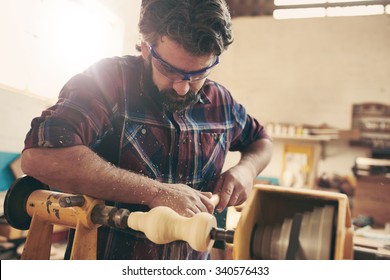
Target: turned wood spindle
<point>163,225</point>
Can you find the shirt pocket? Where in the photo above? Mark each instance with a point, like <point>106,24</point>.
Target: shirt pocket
<point>213,150</point>
<point>143,150</point>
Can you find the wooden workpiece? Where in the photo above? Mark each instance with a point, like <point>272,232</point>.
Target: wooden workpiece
<point>162,225</point>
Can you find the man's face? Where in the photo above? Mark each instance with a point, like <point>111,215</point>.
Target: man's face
<point>178,75</point>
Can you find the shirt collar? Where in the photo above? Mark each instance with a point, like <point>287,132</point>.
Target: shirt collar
<point>204,92</point>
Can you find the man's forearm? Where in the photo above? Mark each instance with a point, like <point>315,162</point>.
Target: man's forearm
<point>79,170</point>
<point>256,156</point>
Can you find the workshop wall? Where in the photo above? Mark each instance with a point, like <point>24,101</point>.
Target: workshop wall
<point>17,111</point>
<point>308,71</point>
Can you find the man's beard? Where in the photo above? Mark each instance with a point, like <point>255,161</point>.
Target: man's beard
<point>174,102</point>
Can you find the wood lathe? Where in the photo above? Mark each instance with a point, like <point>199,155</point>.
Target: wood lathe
<point>31,205</point>
<point>313,230</point>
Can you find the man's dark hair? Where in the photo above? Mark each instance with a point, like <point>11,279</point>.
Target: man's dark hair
<point>200,26</point>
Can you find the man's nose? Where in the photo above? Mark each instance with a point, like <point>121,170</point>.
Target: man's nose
<point>181,87</point>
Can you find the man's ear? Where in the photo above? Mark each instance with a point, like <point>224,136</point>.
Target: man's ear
<point>145,50</point>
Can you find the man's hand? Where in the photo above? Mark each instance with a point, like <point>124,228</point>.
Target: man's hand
<point>183,199</point>
<point>233,186</point>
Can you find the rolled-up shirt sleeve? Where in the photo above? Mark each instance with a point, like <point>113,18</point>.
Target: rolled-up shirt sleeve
<point>82,115</point>
<point>247,129</point>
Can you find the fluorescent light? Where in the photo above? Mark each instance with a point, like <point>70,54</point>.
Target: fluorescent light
<point>309,2</point>
<point>299,13</point>
<point>297,2</point>
<point>346,1</point>
<point>355,11</point>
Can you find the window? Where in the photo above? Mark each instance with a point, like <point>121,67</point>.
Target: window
<point>44,43</point>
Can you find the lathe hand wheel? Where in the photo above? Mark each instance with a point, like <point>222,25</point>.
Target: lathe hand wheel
<point>16,199</point>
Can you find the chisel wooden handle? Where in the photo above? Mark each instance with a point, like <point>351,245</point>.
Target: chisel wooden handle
<point>215,199</point>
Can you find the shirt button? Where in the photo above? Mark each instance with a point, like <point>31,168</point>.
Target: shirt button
<point>143,131</point>
<point>184,141</point>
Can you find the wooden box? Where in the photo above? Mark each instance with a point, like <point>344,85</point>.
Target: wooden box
<point>372,198</point>
<point>269,205</point>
